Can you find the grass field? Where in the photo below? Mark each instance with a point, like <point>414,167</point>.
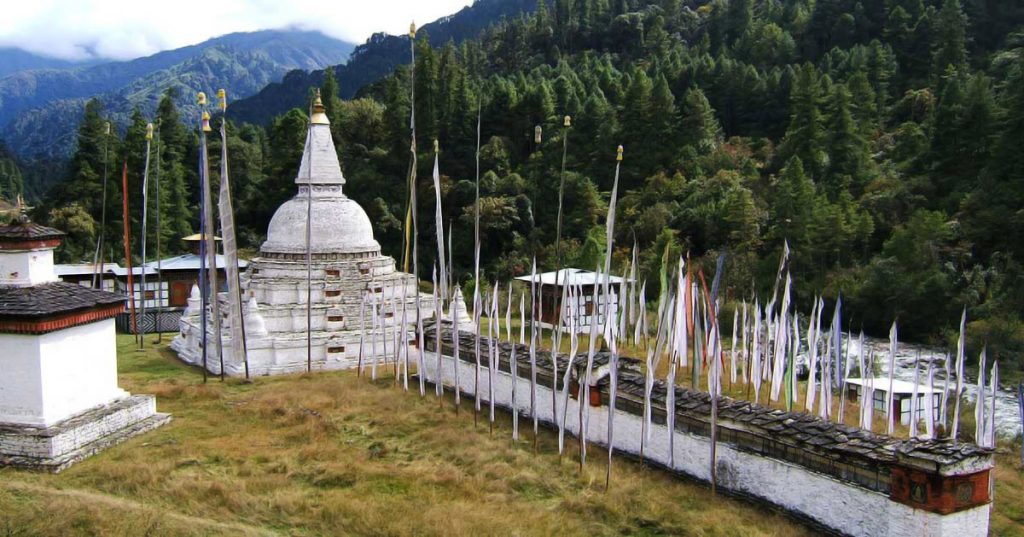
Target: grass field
<point>333,454</point>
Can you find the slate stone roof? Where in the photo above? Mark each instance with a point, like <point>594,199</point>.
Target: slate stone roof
<point>848,452</point>
<point>51,299</point>
<point>28,231</point>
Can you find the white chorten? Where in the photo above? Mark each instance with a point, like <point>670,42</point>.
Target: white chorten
<point>347,268</point>
<point>59,399</point>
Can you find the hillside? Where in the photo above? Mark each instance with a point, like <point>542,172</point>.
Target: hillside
<point>335,454</point>
<point>375,59</point>
<point>40,108</point>
<point>13,60</point>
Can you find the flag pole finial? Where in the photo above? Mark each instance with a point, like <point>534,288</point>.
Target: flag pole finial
<point>149,131</point>
<point>412,30</point>
<point>437,146</point>
<point>222,99</point>
<point>618,154</point>
<point>567,121</point>
<point>206,121</point>
<point>201,99</point>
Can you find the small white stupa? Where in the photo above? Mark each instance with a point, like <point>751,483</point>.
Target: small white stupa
<point>59,399</point>
<point>350,278</point>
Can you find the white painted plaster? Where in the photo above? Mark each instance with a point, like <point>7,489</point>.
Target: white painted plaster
<point>843,506</point>
<point>50,377</point>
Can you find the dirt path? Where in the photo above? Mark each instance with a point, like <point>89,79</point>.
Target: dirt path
<point>115,502</point>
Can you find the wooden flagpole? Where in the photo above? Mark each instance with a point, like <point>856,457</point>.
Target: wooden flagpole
<point>127,247</point>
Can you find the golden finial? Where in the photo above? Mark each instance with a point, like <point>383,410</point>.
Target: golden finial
<point>206,121</point>
<point>106,128</point>
<point>618,154</point>
<point>567,122</point>
<point>222,99</point>
<point>201,99</point>
<point>412,30</point>
<point>538,133</point>
<point>437,146</point>
<point>149,131</point>
<point>319,116</point>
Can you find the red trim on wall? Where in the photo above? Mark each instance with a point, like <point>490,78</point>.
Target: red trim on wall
<point>35,244</point>
<point>61,321</point>
<point>937,493</point>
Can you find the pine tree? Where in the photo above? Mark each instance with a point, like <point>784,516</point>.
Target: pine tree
<point>805,137</point>
<point>950,31</point>
<point>850,164</point>
<point>698,126</point>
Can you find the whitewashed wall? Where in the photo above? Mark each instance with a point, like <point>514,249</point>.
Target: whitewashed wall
<point>842,506</point>
<point>51,377</point>
<point>31,267</point>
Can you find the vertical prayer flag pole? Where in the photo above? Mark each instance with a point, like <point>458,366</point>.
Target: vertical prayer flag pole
<point>309,244</point>
<point>97,258</point>
<point>208,228</point>
<point>145,212</point>
<point>127,249</point>
<point>159,265</point>
<point>227,225</point>
<point>203,287</point>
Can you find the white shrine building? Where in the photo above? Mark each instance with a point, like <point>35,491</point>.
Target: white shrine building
<point>551,286</point>
<point>352,284</point>
<point>59,399</point>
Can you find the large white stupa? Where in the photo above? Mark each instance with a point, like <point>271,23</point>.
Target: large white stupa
<point>346,265</point>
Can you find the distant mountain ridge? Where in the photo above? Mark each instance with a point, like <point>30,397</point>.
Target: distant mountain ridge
<point>39,109</point>
<point>374,59</point>
<point>14,59</point>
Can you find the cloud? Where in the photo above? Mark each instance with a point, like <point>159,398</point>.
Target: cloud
<point>126,29</point>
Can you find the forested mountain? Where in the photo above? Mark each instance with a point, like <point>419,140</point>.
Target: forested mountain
<point>37,107</point>
<point>880,138</point>
<point>13,60</point>
<point>374,59</point>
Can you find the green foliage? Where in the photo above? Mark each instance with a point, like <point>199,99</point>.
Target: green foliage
<point>880,138</point>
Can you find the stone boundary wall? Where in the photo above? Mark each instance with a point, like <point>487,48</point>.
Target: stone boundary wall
<point>837,476</point>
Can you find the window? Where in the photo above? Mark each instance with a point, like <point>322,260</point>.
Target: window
<point>332,273</point>
<point>150,295</point>
<point>335,350</point>
<point>336,318</point>
<point>332,293</point>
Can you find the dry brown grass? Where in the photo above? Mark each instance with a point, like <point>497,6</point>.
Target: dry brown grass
<point>331,453</point>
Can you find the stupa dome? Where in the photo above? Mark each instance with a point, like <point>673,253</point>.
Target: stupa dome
<point>340,225</point>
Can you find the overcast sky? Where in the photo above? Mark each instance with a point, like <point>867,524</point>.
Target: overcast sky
<point>125,29</point>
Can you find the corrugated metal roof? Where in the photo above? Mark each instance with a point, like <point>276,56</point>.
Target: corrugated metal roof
<point>81,269</point>
<point>572,276</point>
<point>901,387</point>
<point>190,262</point>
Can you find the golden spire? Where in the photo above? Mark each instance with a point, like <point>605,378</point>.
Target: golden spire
<point>201,99</point>
<point>222,100</point>
<point>412,30</point>
<point>618,154</point>
<point>319,117</point>
<point>149,131</point>
<point>206,121</point>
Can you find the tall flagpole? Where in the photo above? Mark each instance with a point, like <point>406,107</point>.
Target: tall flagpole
<point>97,257</point>
<point>145,212</point>
<point>127,246</point>
<point>161,300</point>
<point>227,226</point>
<point>210,238</point>
<point>309,247</point>
<point>201,99</point>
